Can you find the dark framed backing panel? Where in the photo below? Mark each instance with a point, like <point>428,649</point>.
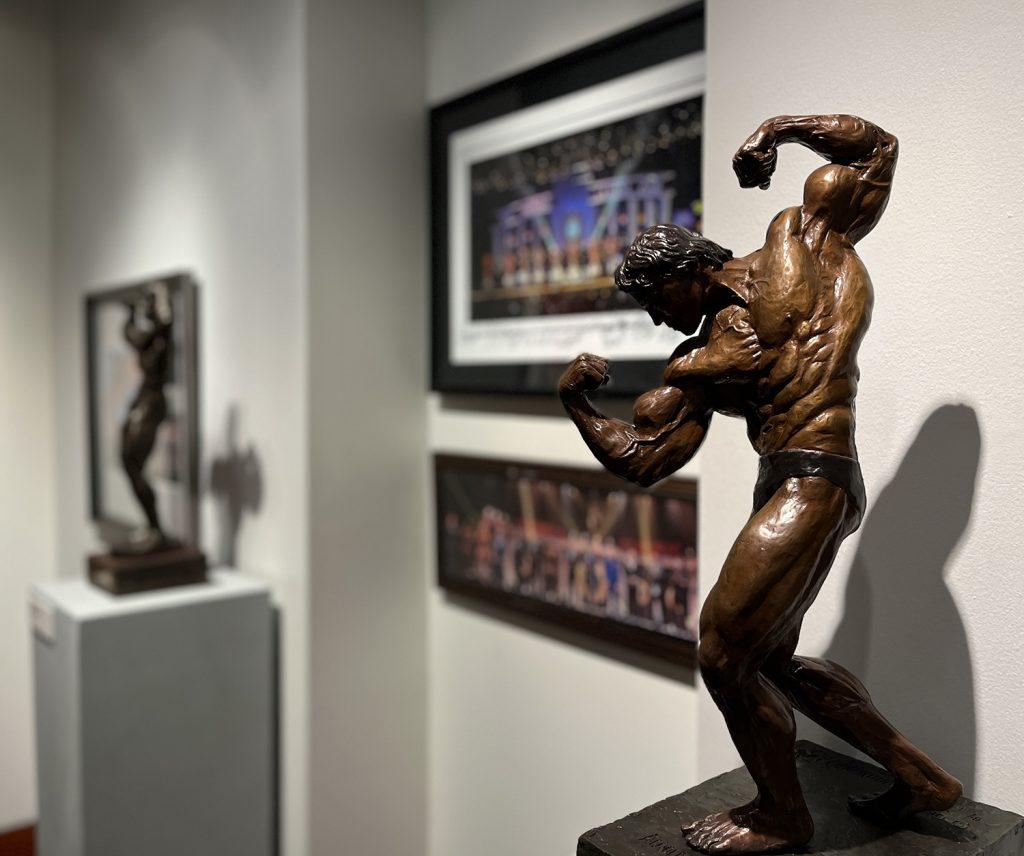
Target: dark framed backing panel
<point>574,547</point>
<point>475,362</point>
<point>112,379</point>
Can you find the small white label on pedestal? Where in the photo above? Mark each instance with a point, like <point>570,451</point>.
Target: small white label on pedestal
<point>44,619</point>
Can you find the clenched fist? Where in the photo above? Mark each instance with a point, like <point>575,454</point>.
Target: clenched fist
<point>755,161</point>
<point>585,374</point>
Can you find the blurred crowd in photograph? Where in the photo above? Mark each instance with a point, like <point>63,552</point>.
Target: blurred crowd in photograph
<point>614,568</point>
<point>552,222</point>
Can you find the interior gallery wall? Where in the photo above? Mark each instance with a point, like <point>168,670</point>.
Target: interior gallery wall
<point>924,600</point>
<point>180,145</point>
<point>368,374</point>
<point>27,500</point>
<point>534,737</point>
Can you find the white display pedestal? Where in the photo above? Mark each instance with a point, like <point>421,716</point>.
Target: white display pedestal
<point>155,719</point>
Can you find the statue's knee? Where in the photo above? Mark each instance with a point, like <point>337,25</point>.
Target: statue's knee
<point>719,667</point>
<point>826,673</point>
<point>781,671</point>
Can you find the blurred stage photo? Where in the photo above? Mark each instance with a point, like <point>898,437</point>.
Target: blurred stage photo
<point>543,201</point>
<point>575,541</point>
<point>551,222</point>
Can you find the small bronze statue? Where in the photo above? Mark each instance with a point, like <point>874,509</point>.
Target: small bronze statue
<point>779,334</point>
<point>147,558</point>
<point>153,342</point>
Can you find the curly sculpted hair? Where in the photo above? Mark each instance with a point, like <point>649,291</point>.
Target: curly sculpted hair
<point>667,252</point>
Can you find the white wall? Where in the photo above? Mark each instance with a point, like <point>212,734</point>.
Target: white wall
<point>180,144</point>
<point>924,602</point>
<point>368,487</point>
<point>533,739</point>
<point>474,42</point>
<point>27,498</point>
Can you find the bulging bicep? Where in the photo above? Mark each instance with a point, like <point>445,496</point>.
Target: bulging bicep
<point>847,199</point>
<point>657,408</point>
<point>666,408</point>
<point>828,194</point>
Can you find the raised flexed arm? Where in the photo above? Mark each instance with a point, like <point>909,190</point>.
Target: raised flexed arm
<point>851,192</point>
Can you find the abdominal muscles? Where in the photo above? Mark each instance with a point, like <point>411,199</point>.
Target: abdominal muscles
<point>806,400</point>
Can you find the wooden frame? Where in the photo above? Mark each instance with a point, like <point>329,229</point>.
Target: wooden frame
<point>671,36</point>
<point>612,621</point>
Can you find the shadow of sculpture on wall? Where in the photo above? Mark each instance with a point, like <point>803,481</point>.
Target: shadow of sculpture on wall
<point>901,631</point>
<point>236,483</point>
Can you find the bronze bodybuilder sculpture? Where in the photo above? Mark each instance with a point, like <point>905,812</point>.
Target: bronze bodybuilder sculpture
<point>152,342</point>
<point>778,347</point>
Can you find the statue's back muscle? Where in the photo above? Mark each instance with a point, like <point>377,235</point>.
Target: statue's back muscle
<point>810,301</point>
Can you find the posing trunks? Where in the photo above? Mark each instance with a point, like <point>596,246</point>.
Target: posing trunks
<point>842,471</point>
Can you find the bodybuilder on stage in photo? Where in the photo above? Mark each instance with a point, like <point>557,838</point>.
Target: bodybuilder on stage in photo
<point>778,341</point>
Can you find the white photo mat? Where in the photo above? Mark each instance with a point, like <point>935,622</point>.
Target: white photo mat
<point>623,334</point>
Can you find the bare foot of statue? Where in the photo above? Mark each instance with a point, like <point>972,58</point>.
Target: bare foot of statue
<point>749,829</point>
<point>929,789</point>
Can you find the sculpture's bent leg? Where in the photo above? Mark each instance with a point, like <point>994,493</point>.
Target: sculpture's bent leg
<point>772,574</point>
<point>831,696</point>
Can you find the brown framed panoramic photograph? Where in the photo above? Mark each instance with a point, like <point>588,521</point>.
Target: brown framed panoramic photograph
<point>573,546</point>
<point>539,183</point>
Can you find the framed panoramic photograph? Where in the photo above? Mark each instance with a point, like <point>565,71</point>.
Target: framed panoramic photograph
<point>539,184</point>
<point>576,547</point>
<point>115,382</point>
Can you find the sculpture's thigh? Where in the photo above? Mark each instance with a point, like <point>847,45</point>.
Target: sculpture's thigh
<point>775,569</point>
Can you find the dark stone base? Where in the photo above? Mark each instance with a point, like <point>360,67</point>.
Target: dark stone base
<point>828,778</point>
<point>127,574</point>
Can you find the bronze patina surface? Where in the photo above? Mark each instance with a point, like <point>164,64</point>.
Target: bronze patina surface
<point>778,332</point>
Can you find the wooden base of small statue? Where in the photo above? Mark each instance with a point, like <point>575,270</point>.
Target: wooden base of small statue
<point>828,780</point>
<point>126,574</point>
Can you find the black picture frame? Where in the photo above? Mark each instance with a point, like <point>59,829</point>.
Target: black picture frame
<point>670,36</point>
<point>648,636</point>
<point>183,293</point>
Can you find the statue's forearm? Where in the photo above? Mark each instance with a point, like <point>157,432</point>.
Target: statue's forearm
<point>733,351</point>
<point>839,137</point>
<point>609,439</point>
<point>717,364</point>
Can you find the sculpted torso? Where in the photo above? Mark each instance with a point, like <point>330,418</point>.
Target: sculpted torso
<point>783,352</point>
<point>781,326</point>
